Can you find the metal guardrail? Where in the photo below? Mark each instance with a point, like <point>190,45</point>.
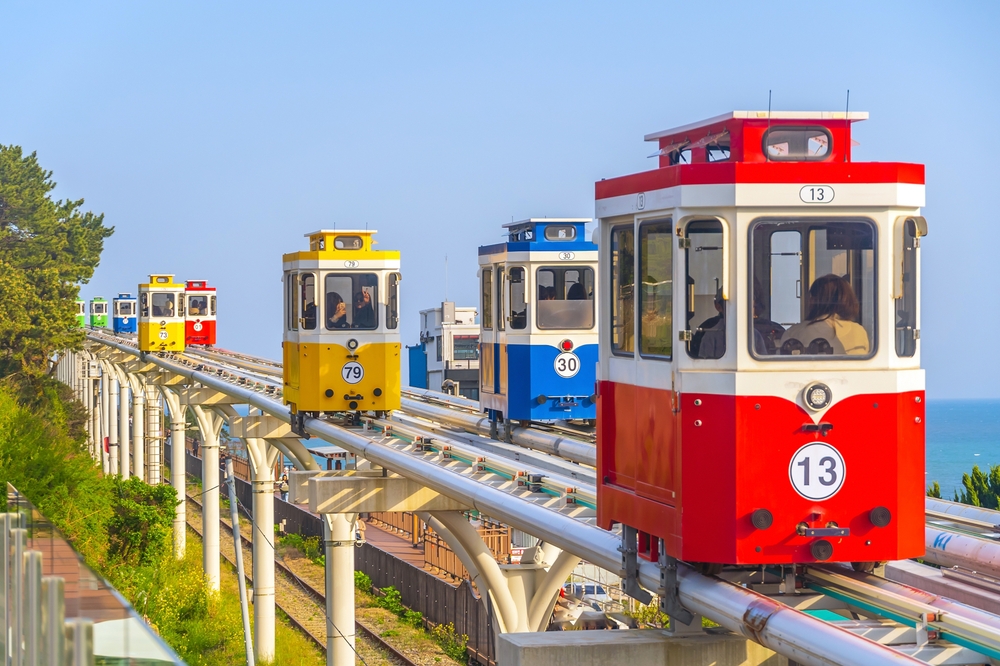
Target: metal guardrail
<point>50,620</point>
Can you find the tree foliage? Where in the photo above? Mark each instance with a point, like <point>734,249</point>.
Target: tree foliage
<point>981,488</point>
<point>934,490</point>
<point>47,248</point>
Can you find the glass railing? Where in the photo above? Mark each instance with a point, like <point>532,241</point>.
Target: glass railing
<point>95,614</point>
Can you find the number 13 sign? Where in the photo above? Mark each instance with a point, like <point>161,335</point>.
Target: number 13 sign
<point>817,471</point>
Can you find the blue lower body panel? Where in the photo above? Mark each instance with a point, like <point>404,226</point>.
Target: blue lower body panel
<point>125,325</point>
<point>535,392</point>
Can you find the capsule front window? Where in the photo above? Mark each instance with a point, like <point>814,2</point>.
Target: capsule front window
<point>163,305</point>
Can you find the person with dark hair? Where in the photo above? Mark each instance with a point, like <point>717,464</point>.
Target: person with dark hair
<point>831,325</point>
<point>577,292</point>
<point>336,311</point>
<point>364,312</point>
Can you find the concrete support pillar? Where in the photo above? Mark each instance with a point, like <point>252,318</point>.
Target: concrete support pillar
<point>113,420</point>
<point>178,467</point>
<point>96,449</point>
<point>154,436</point>
<point>138,428</point>
<point>105,406</point>
<point>124,436</point>
<point>210,425</point>
<point>263,546</point>
<point>338,544</point>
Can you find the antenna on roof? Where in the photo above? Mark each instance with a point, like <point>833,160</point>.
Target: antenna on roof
<point>847,121</point>
<point>446,277</point>
<point>767,153</point>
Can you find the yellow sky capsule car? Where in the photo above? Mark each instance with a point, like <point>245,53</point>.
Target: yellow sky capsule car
<point>341,340</point>
<point>161,315</point>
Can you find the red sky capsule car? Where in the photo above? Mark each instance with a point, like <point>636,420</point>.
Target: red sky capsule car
<point>760,392</point>
<point>199,318</point>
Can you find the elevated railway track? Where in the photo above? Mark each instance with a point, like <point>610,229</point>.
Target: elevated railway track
<point>552,502</point>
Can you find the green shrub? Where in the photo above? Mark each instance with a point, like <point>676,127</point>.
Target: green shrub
<point>392,601</point>
<point>362,581</point>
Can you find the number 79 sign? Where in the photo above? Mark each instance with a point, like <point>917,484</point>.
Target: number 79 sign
<point>352,372</point>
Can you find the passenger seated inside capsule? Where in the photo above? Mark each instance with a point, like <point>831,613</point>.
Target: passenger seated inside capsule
<point>364,312</point>
<point>336,310</point>
<point>831,325</point>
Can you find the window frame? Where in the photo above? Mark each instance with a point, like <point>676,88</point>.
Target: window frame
<point>292,301</point>
<point>486,296</point>
<point>498,294</point>
<point>301,296</point>
<point>784,128</point>
<point>907,242</point>
<point>613,297</point>
<point>581,268</point>
<point>555,229</point>
<point>723,278</point>
<point>353,276</point>
<point>873,342</point>
<point>669,223</point>
<point>392,300</point>
<point>524,296</point>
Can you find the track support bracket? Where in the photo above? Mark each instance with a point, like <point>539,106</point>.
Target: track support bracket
<point>298,423</point>
<point>630,566</point>
<point>670,602</point>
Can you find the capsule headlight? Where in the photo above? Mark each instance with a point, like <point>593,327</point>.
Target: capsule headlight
<point>817,396</point>
<point>352,344</point>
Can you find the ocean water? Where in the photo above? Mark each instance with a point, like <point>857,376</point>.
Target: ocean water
<point>960,434</point>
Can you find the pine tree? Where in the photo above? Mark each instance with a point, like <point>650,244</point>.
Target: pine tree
<point>47,248</point>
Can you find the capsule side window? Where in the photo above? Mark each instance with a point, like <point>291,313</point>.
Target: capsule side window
<point>392,306</point>
<point>291,301</point>
<point>622,290</point>
<point>212,305</point>
<point>906,304</point>
<point>518,303</point>
<point>144,304</point>
<point>656,243</point>
<point>307,293</point>
<point>706,303</point>
<point>486,294</point>
<point>501,307</point>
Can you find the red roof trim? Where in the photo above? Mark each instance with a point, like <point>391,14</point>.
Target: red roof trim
<point>722,173</point>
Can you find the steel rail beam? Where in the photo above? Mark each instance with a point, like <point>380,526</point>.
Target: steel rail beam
<point>755,616</point>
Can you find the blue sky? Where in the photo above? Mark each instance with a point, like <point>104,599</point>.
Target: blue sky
<point>213,137</point>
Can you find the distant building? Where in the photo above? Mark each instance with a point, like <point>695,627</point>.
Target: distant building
<point>447,358</point>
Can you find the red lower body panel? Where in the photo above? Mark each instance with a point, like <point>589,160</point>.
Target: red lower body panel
<point>692,469</point>
<point>199,332</point>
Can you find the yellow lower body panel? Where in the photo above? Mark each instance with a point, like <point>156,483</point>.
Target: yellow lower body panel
<point>329,378</point>
<point>156,337</point>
